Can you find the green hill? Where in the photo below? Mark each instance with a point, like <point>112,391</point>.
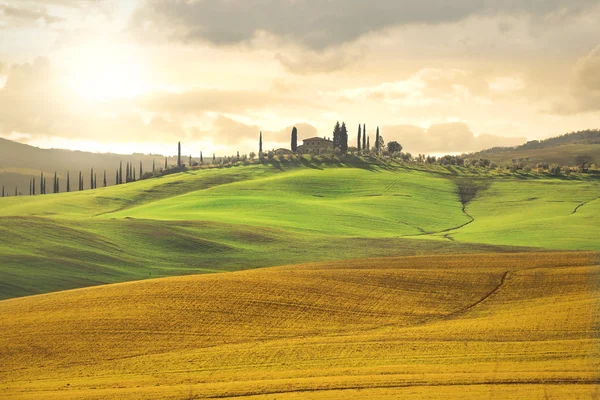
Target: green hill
<point>20,162</point>
<point>562,150</point>
<point>225,219</point>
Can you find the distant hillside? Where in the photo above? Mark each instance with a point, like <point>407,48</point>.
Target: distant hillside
<point>20,162</point>
<point>561,149</point>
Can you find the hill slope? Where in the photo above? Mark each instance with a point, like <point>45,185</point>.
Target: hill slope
<point>502,326</point>
<point>562,150</point>
<point>256,216</point>
<point>21,162</point>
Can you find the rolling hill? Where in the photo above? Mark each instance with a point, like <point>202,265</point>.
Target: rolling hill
<point>227,219</point>
<point>561,150</point>
<point>21,162</point>
<point>502,326</point>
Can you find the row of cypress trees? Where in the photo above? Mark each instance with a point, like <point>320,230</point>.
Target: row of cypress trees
<point>362,141</point>
<point>130,174</point>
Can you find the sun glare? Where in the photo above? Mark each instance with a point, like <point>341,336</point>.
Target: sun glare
<point>103,72</point>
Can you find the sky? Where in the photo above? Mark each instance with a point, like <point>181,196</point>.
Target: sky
<point>437,76</point>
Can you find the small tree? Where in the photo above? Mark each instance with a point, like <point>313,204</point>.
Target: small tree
<point>179,154</point>
<point>381,145</point>
<point>201,158</point>
<point>364,139</point>
<point>377,141</point>
<point>394,147</point>
<point>359,138</point>
<point>252,155</point>
<point>554,170</point>
<point>337,129</point>
<point>259,145</point>
<point>583,162</point>
<point>294,139</point>
<point>344,138</point>
<point>68,182</point>
<point>104,181</point>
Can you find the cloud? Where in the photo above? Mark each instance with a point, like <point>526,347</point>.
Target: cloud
<point>585,87</point>
<point>36,103</point>
<point>306,62</point>
<point>229,132</point>
<point>453,137</point>
<point>319,24</point>
<point>197,101</point>
<point>26,14</point>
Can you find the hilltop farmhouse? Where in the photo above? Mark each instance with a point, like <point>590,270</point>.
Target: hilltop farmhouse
<point>315,145</point>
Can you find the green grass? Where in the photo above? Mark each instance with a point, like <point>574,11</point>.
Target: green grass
<point>226,219</point>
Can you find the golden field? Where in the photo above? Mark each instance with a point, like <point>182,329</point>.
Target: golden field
<point>484,326</point>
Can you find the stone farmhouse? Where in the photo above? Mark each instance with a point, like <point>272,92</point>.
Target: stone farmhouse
<point>315,145</point>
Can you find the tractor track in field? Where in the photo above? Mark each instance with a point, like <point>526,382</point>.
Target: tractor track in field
<point>396,385</point>
<point>583,204</point>
<point>487,296</point>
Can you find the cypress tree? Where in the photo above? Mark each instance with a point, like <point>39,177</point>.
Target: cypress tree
<point>80,182</point>
<point>33,186</point>
<point>294,139</point>
<point>133,177</point>
<point>201,159</point>
<point>57,185</point>
<point>179,154</point>
<point>165,163</point>
<point>42,182</point>
<point>92,178</point>
<point>364,142</point>
<point>104,178</point>
<point>120,179</point>
<point>377,141</point>
<point>190,163</point>
<point>2,190</point>
<point>368,143</point>
<point>44,185</point>
<point>214,158</point>
<point>359,138</point>
<point>95,181</point>
<point>55,180</point>
<point>153,167</point>
<point>117,177</point>
<point>259,144</point>
<point>141,173</point>
<point>16,191</point>
<point>30,192</point>
<point>68,182</point>
<point>337,130</point>
<point>344,138</point>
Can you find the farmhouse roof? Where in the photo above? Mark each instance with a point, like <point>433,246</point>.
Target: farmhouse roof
<point>316,138</point>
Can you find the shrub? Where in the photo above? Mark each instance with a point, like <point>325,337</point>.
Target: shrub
<point>554,170</point>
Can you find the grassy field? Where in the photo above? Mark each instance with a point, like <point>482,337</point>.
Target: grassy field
<point>502,326</point>
<point>227,219</point>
